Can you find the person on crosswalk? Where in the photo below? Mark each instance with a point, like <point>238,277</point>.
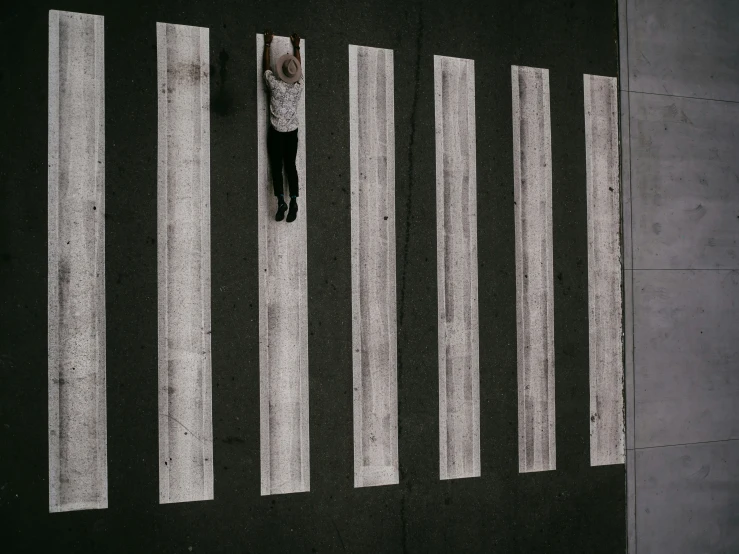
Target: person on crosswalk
<point>282,137</point>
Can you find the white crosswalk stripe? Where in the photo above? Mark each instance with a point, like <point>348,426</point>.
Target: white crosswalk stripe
<point>183,214</point>
<point>456,255</point>
<point>372,143</point>
<point>607,432</point>
<point>78,460</point>
<point>283,311</point>
<point>532,170</point>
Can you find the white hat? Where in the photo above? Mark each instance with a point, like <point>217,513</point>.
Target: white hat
<point>288,68</point>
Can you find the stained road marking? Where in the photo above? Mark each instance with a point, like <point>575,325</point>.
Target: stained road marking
<point>183,212</point>
<point>532,170</point>
<point>374,329</point>
<point>78,460</point>
<point>607,432</point>
<point>456,254</point>
<point>283,311</point>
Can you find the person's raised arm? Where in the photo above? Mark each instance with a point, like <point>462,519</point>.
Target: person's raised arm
<point>267,43</point>
<point>295,38</point>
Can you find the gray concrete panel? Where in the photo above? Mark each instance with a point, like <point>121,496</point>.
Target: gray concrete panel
<point>684,178</point>
<point>686,356</point>
<point>687,499</point>
<point>684,47</point>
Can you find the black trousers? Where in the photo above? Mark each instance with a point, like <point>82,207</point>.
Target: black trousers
<point>282,148</point>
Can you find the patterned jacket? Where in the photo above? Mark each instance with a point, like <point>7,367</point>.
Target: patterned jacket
<point>283,102</point>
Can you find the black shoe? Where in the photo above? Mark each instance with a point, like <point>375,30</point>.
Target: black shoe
<point>293,213</point>
<point>281,207</point>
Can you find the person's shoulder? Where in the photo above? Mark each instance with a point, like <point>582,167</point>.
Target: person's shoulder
<point>270,78</point>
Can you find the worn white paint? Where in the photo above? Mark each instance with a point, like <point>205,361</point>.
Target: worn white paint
<point>607,432</point>
<point>283,311</point>
<point>456,258</point>
<point>78,461</point>
<point>532,171</point>
<point>183,217</point>
<point>374,332</point>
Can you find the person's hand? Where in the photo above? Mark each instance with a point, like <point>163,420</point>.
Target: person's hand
<point>268,36</point>
<point>295,39</point>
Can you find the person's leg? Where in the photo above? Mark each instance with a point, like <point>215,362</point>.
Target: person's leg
<point>290,152</point>
<point>274,153</point>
